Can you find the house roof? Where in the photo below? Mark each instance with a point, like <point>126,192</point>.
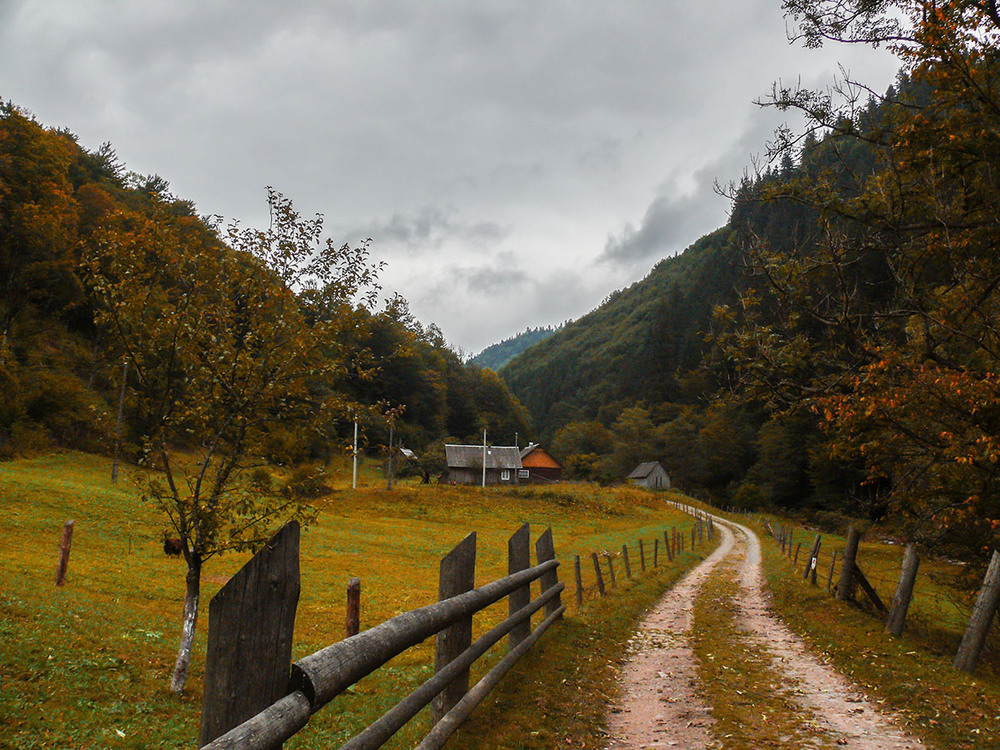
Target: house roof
<point>528,448</point>
<point>471,457</point>
<point>539,457</point>
<point>643,470</point>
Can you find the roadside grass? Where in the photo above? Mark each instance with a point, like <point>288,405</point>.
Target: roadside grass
<point>910,676</point>
<point>87,665</point>
<point>748,698</point>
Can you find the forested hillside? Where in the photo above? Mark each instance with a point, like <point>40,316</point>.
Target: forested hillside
<point>498,355</point>
<point>81,237</point>
<point>835,345</point>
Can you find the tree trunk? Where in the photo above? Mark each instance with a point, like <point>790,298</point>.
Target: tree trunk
<point>191,595</point>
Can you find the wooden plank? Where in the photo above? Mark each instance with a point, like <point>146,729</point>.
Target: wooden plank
<point>579,580</point>
<point>456,576</point>
<point>904,592</point>
<point>250,626</point>
<point>545,550</point>
<point>810,569</point>
<point>64,547</point>
<point>518,559</point>
<point>597,573</point>
<point>982,616</point>
<point>870,590</point>
<point>845,589</point>
<point>353,624</point>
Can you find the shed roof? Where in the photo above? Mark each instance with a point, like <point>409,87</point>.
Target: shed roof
<point>471,457</point>
<point>644,469</point>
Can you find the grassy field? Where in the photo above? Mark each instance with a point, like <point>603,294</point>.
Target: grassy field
<point>911,675</point>
<point>87,665</point>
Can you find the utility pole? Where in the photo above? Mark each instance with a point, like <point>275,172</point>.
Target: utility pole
<point>354,477</point>
<point>392,423</point>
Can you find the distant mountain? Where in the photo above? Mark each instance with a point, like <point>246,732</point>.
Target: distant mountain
<point>497,356</point>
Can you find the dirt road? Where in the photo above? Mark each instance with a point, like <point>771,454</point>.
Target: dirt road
<point>662,703</point>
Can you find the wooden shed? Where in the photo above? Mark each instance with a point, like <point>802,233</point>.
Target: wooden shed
<point>465,464</point>
<point>650,474</point>
<point>539,465</point>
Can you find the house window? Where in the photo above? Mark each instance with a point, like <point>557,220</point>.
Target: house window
<point>523,473</point>
<point>505,475</point>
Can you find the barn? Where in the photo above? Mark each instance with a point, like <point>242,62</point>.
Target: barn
<point>465,464</point>
<point>650,474</point>
<point>538,465</point>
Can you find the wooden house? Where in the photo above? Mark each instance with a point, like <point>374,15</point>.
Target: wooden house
<point>650,474</point>
<point>538,465</point>
<point>465,464</point>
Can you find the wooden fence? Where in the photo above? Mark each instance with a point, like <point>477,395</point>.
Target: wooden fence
<point>250,701</point>
<point>852,577</point>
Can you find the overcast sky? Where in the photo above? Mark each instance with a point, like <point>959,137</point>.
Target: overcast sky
<point>513,161</point>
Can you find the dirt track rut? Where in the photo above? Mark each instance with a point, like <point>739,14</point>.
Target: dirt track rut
<point>661,704</point>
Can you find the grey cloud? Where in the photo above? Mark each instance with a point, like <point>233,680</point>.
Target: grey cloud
<point>450,131</point>
<point>675,218</point>
<point>427,229</point>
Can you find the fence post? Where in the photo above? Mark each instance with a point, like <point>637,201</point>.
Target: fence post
<point>845,589</point>
<point>628,568</point>
<point>611,570</point>
<point>250,624</point>
<point>642,557</point>
<point>579,581</point>
<point>666,545</point>
<point>904,591</point>
<point>788,542</point>
<point>545,550</point>
<point>353,607</point>
<point>518,559</point>
<point>833,566</point>
<point>796,560</point>
<point>597,573</point>
<point>811,562</point>
<point>64,545</point>
<point>457,575</point>
<point>673,539</point>
<point>656,552</point>
<point>982,615</point>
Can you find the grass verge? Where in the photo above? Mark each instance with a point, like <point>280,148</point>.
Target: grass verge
<point>910,676</point>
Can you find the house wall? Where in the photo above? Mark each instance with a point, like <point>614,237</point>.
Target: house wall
<point>543,474</point>
<point>475,476</point>
<point>657,480</point>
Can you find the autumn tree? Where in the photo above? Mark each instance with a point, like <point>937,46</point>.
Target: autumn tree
<point>882,316</point>
<point>227,339</point>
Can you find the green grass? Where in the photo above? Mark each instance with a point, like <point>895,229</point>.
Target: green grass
<point>911,675</point>
<point>88,664</point>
